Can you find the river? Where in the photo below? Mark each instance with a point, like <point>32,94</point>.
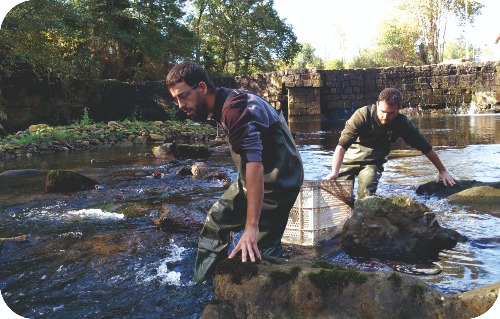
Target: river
<point>85,258</point>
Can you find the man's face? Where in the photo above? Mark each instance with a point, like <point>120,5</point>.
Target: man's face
<point>386,112</point>
<point>190,100</point>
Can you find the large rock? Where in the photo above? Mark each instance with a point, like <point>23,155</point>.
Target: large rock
<point>63,181</point>
<point>396,228</point>
<point>273,289</point>
<point>482,197</point>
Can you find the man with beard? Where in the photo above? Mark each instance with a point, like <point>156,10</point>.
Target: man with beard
<point>366,140</point>
<point>270,171</point>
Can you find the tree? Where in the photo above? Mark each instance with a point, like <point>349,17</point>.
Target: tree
<point>38,39</point>
<point>431,16</point>
<point>397,43</point>
<point>241,37</point>
<point>335,64</point>
<point>121,39</point>
<point>307,59</point>
<point>367,58</point>
<point>134,40</point>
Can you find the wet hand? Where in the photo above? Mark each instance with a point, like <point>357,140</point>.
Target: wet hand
<point>446,178</point>
<point>248,245</point>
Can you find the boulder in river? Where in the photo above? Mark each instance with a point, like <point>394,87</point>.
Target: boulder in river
<point>178,218</point>
<point>395,228</point>
<point>482,197</point>
<point>65,181</point>
<point>315,289</point>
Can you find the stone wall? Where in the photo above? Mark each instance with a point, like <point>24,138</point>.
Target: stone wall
<point>430,86</point>
<point>309,94</point>
<point>302,94</point>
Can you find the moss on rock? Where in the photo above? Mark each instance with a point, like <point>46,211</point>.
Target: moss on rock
<point>237,269</point>
<point>336,277</point>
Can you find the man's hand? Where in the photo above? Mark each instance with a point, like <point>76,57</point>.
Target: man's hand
<point>446,178</point>
<point>248,245</point>
<point>332,176</point>
<point>255,197</point>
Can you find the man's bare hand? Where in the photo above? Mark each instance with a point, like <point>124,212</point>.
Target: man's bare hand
<point>446,178</point>
<point>248,245</point>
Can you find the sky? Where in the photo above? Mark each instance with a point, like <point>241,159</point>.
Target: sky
<point>317,22</point>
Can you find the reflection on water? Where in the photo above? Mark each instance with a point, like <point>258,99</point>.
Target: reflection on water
<point>84,258</point>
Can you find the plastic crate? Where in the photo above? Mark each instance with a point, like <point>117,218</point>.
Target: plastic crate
<point>318,212</point>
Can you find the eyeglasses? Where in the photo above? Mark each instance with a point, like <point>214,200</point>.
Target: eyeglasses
<point>183,95</point>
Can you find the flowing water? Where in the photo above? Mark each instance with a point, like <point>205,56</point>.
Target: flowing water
<point>84,257</point>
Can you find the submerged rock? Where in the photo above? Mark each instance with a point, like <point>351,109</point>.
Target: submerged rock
<point>169,151</point>
<point>178,218</point>
<point>482,197</point>
<point>164,151</point>
<point>440,190</point>
<point>63,181</point>
<point>396,228</point>
<point>291,289</point>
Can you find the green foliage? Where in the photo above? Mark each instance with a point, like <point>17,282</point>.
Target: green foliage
<point>85,120</point>
<point>395,280</point>
<point>237,270</point>
<point>367,58</point>
<point>414,34</point>
<point>241,37</point>
<point>430,18</point>
<point>66,39</point>
<point>395,45</point>
<point>335,65</point>
<point>307,59</point>
<point>33,139</point>
<point>397,41</point>
<point>335,276</point>
<point>59,134</point>
<point>453,50</point>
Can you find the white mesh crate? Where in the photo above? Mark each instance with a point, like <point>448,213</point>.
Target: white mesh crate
<point>318,213</point>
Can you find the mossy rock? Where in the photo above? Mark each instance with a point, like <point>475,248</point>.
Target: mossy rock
<point>169,151</point>
<point>64,181</point>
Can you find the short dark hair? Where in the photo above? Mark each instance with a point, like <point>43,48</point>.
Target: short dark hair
<point>391,96</point>
<point>189,72</point>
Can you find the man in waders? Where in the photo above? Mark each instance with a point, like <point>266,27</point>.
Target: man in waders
<point>365,143</point>
<point>270,171</point>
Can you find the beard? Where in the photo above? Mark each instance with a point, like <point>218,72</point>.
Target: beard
<point>201,113</point>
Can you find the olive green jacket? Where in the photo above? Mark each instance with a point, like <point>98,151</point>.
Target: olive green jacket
<point>367,141</point>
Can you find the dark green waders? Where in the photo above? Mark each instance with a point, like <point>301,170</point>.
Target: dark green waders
<point>368,177</point>
<point>283,176</point>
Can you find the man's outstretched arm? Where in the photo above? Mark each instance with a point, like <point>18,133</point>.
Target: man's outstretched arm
<point>443,174</point>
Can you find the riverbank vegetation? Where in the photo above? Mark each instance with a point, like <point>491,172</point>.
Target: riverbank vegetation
<point>44,139</point>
